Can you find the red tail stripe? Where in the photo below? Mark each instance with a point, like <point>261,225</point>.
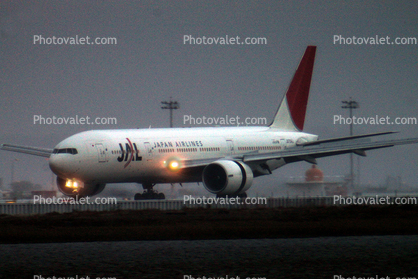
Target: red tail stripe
<point>298,92</point>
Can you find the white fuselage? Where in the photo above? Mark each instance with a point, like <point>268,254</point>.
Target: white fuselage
<point>143,155</point>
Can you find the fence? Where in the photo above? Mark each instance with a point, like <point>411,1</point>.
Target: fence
<point>29,208</point>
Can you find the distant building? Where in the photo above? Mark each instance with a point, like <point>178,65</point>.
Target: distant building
<point>313,185</point>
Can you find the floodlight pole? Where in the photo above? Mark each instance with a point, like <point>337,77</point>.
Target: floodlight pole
<point>350,104</point>
<point>171,106</point>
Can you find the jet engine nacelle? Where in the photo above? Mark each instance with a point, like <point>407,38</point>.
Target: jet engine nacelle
<point>225,177</point>
<point>68,188</point>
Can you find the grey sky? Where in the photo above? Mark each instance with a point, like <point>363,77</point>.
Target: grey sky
<point>150,63</point>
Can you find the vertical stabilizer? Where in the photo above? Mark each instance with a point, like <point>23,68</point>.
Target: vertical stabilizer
<point>290,115</point>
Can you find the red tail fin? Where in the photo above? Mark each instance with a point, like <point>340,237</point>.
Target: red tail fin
<point>291,112</point>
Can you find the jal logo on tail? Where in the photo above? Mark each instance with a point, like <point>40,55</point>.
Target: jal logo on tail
<point>129,154</point>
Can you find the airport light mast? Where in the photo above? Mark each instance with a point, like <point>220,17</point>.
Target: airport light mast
<point>350,104</point>
<point>171,106</point>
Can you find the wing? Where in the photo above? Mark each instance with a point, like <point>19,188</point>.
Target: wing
<point>309,151</point>
<point>37,151</point>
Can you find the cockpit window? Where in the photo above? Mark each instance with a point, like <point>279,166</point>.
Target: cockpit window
<point>65,150</point>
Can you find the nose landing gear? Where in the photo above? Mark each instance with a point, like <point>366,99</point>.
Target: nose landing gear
<point>149,193</point>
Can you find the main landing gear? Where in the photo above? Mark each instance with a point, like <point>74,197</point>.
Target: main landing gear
<point>149,193</point>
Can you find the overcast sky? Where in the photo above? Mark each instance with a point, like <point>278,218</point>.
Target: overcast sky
<point>149,63</point>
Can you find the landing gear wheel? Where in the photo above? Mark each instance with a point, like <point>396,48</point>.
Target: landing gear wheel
<point>149,193</point>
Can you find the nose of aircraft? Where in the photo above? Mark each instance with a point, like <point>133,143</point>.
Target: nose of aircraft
<point>57,164</point>
<point>62,164</point>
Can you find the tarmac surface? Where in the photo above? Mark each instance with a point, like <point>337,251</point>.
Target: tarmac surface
<point>194,224</point>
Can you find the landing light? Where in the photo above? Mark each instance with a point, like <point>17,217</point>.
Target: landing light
<point>172,164</point>
<point>71,184</point>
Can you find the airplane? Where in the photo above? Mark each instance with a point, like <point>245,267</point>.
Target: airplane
<point>225,159</point>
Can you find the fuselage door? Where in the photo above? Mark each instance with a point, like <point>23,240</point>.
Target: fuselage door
<point>230,146</point>
<point>148,149</point>
<point>283,143</point>
<point>101,151</point>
